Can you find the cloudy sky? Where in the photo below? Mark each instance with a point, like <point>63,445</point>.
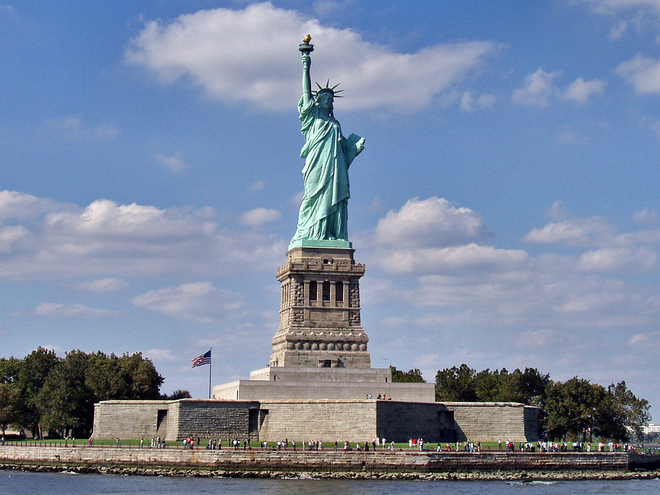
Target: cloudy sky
<point>506,204</point>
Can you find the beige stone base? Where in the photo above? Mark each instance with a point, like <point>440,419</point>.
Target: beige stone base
<point>323,383</point>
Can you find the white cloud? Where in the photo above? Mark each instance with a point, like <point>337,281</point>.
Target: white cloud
<point>74,127</point>
<point>259,185</point>
<point>613,6</point>
<point>645,340</point>
<point>259,216</point>
<point>471,284</point>
<point>451,259</point>
<point>647,215</point>
<point>19,206</point>
<point>619,259</point>
<point>56,310</point>
<point>431,222</point>
<point>537,89</point>
<point>161,355</point>
<point>642,72</point>
<point>109,284</point>
<point>174,162</point>
<point>468,101</point>
<point>543,338</point>
<point>198,301</point>
<point>580,90</point>
<point>251,55</point>
<point>582,232</point>
<point>104,239</point>
<point>10,236</point>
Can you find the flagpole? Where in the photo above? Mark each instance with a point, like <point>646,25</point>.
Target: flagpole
<point>210,366</point>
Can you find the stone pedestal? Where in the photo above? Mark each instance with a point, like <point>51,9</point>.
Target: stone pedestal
<point>320,311</point>
<point>320,348</point>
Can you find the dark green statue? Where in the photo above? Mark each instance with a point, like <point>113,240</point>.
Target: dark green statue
<point>323,214</point>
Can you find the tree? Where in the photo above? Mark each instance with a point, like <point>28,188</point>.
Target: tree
<point>9,369</point>
<point>411,376</point>
<point>104,377</point>
<point>141,376</point>
<point>455,384</point>
<point>65,402</point>
<point>30,379</point>
<point>9,406</point>
<point>572,408</point>
<point>623,415</point>
<point>582,410</point>
<point>178,394</point>
<point>532,385</point>
<point>43,392</point>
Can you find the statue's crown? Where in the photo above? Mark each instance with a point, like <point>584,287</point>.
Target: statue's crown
<point>327,89</point>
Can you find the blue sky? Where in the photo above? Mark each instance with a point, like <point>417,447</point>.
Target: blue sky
<point>506,204</point>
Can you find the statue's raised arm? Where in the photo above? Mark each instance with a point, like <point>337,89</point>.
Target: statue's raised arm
<point>323,218</point>
<point>305,49</point>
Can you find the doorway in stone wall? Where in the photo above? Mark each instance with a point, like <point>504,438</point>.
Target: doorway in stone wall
<point>161,423</point>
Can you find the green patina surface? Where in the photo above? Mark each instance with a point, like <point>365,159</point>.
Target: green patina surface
<point>323,216</point>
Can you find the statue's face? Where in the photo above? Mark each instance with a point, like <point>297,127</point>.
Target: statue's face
<point>325,101</point>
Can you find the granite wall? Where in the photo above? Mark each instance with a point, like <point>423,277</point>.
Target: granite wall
<point>327,420</point>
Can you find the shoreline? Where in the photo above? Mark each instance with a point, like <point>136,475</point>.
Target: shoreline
<point>522,476</point>
<point>502,466</point>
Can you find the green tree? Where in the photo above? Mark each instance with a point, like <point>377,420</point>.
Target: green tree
<point>141,377</point>
<point>43,392</point>
<point>29,380</point>
<point>9,406</point>
<point>455,384</point>
<point>582,410</point>
<point>488,385</point>
<point>9,368</point>
<point>65,402</point>
<point>572,409</point>
<point>622,415</point>
<point>411,376</point>
<point>532,385</point>
<point>104,377</point>
<point>178,394</point>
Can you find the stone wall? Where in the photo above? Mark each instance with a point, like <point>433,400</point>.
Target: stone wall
<point>327,420</point>
<point>214,419</point>
<point>131,419</point>
<point>495,421</point>
<point>227,461</point>
<point>253,390</point>
<point>401,421</point>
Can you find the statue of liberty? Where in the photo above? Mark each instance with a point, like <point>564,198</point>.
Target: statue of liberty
<point>328,154</point>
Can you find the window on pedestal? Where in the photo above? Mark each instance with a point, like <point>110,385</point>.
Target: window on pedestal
<point>340,292</point>
<point>326,291</point>
<point>312,291</point>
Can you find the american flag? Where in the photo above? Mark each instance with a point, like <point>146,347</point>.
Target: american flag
<point>202,360</point>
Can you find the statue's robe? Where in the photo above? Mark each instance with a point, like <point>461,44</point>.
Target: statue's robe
<point>327,154</point>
